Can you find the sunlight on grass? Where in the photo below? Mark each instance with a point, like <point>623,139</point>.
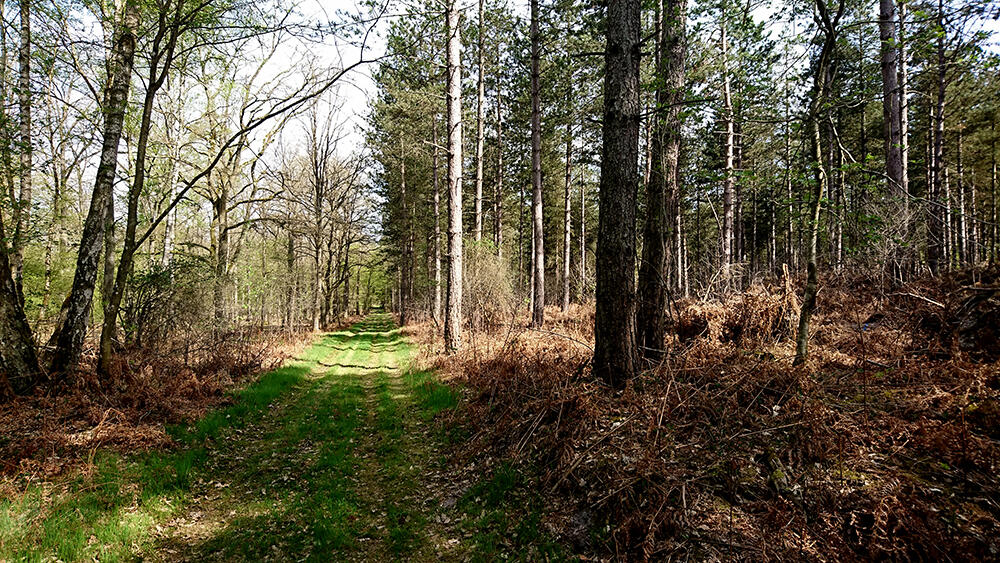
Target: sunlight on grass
<point>107,512</point>
<point>337,469</point>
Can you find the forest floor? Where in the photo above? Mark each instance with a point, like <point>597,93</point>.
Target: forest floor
<point>884,445</point>
<point>335,455</point>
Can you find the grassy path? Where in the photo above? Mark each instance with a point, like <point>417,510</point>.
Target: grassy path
<point>333,471</point>
<point>332,457</point>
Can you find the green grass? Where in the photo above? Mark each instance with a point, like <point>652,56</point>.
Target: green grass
<point>432,395</point>
<point>108,512</point>
<point>504,519</point>
<point>324,459</point>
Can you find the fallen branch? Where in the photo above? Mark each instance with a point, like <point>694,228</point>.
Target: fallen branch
<point>920,297</point>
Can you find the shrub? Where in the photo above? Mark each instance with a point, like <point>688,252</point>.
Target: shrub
<point>490,299</point>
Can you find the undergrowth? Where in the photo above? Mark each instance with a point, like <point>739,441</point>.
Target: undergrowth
<point>883,446</point>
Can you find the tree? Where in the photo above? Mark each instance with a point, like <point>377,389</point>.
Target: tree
<point>453,306</point>
<point>161,56</point>
<point>480,135</point>
<point>537,217</point>
<point>615,358</point>
<point>22,207</point>
<point>729,205</point>
<point>890,94</point>
<point>828,23</point>
<point>662,191</point>
<point>67,340</point>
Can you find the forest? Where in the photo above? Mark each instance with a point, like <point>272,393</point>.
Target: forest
<point>541,280</point>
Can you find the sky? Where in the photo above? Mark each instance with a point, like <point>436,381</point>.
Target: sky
<point>357,89</point>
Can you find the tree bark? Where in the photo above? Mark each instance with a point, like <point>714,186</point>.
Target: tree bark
<point>662,190</point>
<point>962,228</point>
<point>480,103</point>
<point>538,233</point>
<point>890,97</point>
<point>437,223</point>
<point>994,230</point>
<point>68,338</point>
<point>821,85</point>
<point>904,117</point>
<point>615,359</point>
<point>812,282</point>
<point>290,277</point>
<point>156,78</point>
<point>404,267</point>
<point>498,188</point>
<point>18,360</point>
<point>453,308</point>
<point>789,198</point>
<point>728,181</point>
<point>23,204</point>
<point>949,221</point>
<point>567,217</point>
<point>936,255</point>
<point>582,286</point>
<point>108,256</point>
<point>221,278</point>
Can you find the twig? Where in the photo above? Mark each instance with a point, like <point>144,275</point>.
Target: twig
<point>920,297</point>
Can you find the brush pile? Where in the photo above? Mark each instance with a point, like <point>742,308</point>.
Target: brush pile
<point>885,445</point>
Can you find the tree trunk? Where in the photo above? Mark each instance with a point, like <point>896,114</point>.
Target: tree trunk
<point>789,198</point>
<point>739,252</point>
<point>453,308</point>
<point>7,146</point>
<point>936,256</point>
<point>404,267</point>
<point>812,283</point>
<point>890,98</point>
<point>949,221</point>
<point>520,238</point>
<point>994,230</point>
<point>615,359</point>
<point>290,277</point>
<point>662,190</point>
<point>567,217</point>
<point>838,201</point>
<point>728,181</point>
<point>772,236</point>
<point>583,243</point>
<point>498,189</point>
<point>480,102</point>
<point>221,278</point>
<point>346,302</point>
<point>904,117</point>
<point>531,274</point>
<point>108,277</point>
<point>437,224</point>
<point>962,228</point>
<point>68,338</point>
<point>23,205</point>
<point>538,233</point>
<point>974,226</point>
<point>157,76</point>
<point>651,292</point>
<point>18,360</point>
<point>821,86</point>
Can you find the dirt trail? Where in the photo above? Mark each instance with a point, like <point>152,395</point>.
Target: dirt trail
<point>345,467</point>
